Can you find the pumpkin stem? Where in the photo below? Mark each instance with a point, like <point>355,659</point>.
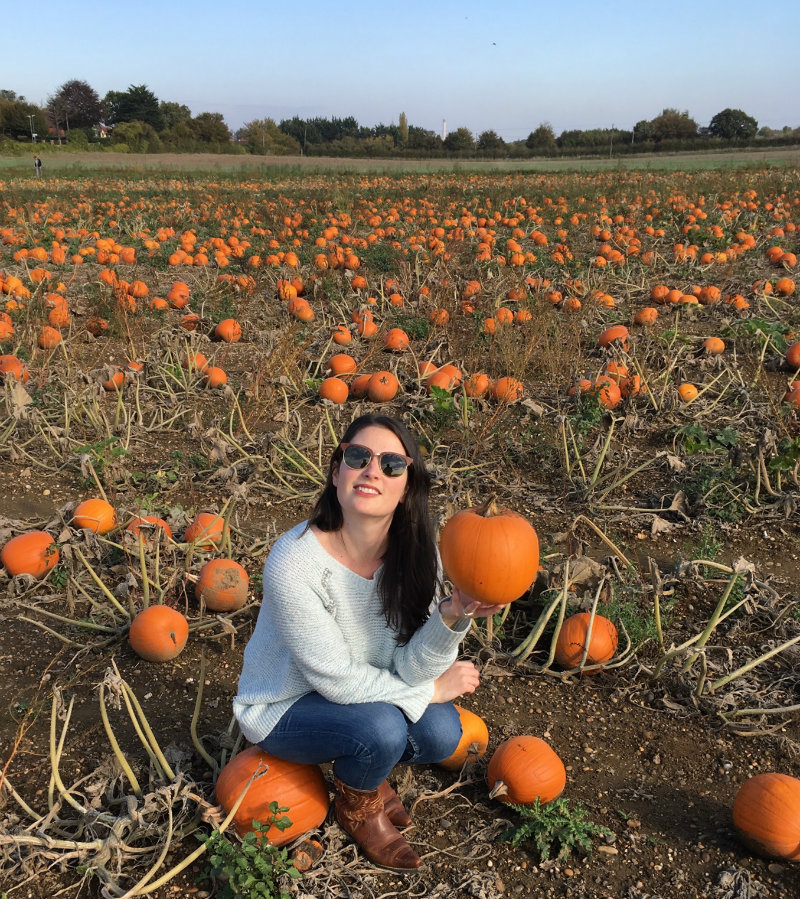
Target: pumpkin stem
<point>490,509</point>
<point>499,789</point>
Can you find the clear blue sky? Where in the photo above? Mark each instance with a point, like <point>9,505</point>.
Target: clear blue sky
<point>506,66</point>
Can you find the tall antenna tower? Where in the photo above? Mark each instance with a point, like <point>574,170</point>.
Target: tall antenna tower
<point>444,128</point>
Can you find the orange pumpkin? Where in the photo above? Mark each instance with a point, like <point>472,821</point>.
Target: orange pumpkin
<point>48,338</point>
<point>646,316</point>
<point>207,530</point>
<point>766,815</point>
<point>473,742</point>
<point>214,376</point>
<point>524,769</point>
<point>687,392</point>
<point>507,390</point>
<point>95,515</point>
<point>382,387</point>
<point>714,346</point>
<point>342,364</point>
<point>359,385</point>
<point>228,330</point>
<point>34,553</point>
<point>13,369</point>
<point>396,340</point>
<point>572,640</point>
<point>491,554</point>
<point>158,633</point>
<point>222,585</point>
<point>477,384</point>
<point>143,525</point>
<point>616,334</point>
<point>300,788</point>
<point>793,355</point>
<point>335,390</point>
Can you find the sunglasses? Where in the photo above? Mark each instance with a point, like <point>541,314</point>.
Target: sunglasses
<point>358,457</point>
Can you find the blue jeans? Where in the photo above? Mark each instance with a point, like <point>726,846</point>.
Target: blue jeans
<point>364,741</point>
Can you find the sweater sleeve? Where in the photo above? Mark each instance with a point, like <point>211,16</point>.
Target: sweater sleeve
<point>305,620</point>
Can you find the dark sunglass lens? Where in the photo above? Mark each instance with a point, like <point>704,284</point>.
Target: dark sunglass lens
<point>357,457</point>
<point>392,465</point>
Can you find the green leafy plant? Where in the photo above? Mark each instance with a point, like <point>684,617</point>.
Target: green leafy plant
<point>588,412</point>
<point>627,605</point>
<point>697,440</point>
<point>445,411</point>
<point>254,868</point>
<point>556,827</point>
<point>102,453</point>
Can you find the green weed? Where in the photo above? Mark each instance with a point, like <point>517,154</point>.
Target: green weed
<point>556,827</point>
<point>254,868</point>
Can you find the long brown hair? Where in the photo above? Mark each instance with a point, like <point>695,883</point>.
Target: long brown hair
<point>409,577</point>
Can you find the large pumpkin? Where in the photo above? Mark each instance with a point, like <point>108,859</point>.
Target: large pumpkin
<point>95,515</point>
<point>32,553</point>
<point>766,815</point>
<point>491,554</point>
<point>300,788</point>
<point>222,585</point>
<point>473,742</point>
<point>158,633</point>
<point>572,640</point>
<point>524,769</point>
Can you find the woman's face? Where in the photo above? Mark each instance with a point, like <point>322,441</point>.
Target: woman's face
<point>368,491</point>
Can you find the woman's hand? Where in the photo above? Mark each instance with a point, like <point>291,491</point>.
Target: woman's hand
<point>460,678</point>
<point>460,606</point>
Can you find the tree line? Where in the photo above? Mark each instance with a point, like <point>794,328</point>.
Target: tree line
<point>137,121</point>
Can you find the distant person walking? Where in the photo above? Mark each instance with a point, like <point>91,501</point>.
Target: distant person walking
<point>37,164</point>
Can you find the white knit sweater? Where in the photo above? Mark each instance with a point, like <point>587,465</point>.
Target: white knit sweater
<point>320,628</point>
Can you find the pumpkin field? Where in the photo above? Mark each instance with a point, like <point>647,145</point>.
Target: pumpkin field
<point>613,355</point>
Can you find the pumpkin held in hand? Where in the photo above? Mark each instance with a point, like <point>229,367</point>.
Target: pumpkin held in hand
<point>524,769</point>
<point>491,554</point>
<point>300,788</point>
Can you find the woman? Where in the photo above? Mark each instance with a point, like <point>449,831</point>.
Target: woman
<point>351,660</point>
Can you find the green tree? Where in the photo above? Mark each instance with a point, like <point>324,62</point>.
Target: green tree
<point>402,130</point>
<point>491,142</point>
<point>210,128</point>
<point>137,104</point>
<point>732,124</point>
<point>140,137</point>
<point>75,105</point>
<point>174,113</point>
<point>460,140</point>
<point>642,131</point>
<point>423,139</point>
<point>673,124</point>
<point>18,118</point>
<point>263,137</point>
<point>542,140</point>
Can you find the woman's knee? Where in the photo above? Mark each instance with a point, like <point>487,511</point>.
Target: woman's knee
<point>388,728</point>
<point>436,735</point>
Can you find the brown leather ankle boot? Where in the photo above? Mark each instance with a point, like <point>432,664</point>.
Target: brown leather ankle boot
<point>393,806</point>
<point>360,814</point>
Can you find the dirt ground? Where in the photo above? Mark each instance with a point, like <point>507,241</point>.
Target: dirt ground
<point>658,769</point>
<point>652,753</point>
